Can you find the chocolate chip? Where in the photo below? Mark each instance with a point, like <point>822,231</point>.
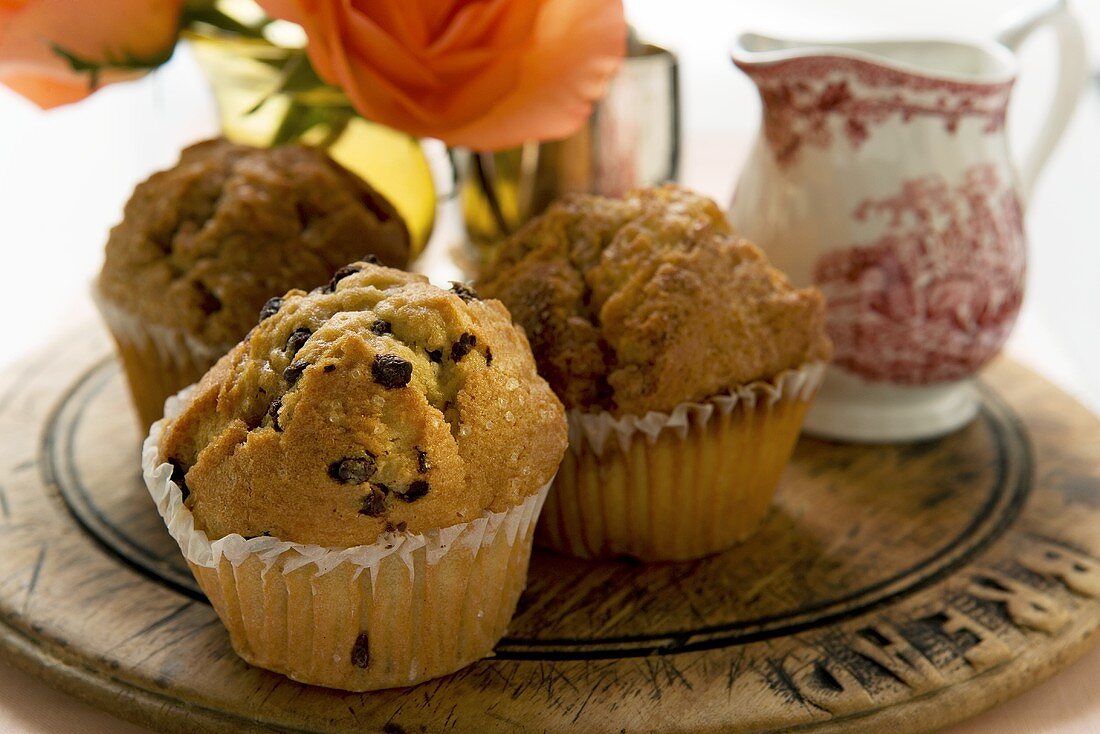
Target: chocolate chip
<point>273,411</point>
<point>374,502</point>
<point>381,328</point>
<point>360,651</point>
<point>371,260</point>
<point>463,291</point>
<point>264,534</point>
<point>353,469</point>
<point>179,476</point>
<point>435,355</point>
<point>271,307</point>
<point>296,340</point>
<point>422,464</point>
<point>294,371</point>
<point>391,371</point>
<point>330,368</point>
<point>488,356</point>
<point>398,528</point>
<point>340,275</point>
<point>208,302</point>
<point>462,347</point>
<point>416,490</point>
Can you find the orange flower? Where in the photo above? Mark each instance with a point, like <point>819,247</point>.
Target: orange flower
<point>486,74</point>
<point>55,52</point>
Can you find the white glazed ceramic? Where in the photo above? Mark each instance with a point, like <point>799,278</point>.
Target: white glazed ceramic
<point>882,175</point>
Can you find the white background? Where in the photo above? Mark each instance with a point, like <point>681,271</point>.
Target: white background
<point>65,175</point>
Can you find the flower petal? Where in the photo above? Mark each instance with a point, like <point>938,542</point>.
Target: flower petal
<point>483,73</point>
<point>577,48</point>
<point>110,33</point>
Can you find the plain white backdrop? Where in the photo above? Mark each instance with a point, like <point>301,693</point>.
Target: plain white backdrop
<point>65,175</point>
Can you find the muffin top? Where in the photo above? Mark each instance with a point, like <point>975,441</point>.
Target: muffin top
<point>377,403</point>
<point>202,245</point>
<point>649,301</point>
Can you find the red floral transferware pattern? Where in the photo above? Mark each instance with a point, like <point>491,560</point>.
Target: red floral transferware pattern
<point>934,298</point>
<point>807,100</point>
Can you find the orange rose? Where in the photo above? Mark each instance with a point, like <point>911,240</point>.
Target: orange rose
<point>486,74</point>
<point>58,51</point>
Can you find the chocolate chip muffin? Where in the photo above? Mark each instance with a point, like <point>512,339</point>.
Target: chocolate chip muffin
<point>380,423</point>
<point>203,245</point>
<point>675,345</point>
<point>645,302</point>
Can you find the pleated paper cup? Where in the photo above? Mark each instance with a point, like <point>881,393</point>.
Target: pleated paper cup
<point>400,611</point>
<point>158,361</point>
<point>678,485</point>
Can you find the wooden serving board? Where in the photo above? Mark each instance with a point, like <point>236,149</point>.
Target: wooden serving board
<point>893,588</point>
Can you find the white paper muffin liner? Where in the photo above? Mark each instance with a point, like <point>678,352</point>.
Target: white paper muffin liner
<point>158,360</point>
<point>596,428</point>
<point>484,559</point>
<point>677,485</point>
<point>173,345</point>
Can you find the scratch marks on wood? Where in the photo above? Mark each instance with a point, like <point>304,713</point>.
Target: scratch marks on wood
<point>271,691</point>
<point>663,672</point>
<point>166,619</point>
<point>515,725</point>
<point>552,675</point>
<point>36,573</point>
<point>449,722</point>
<point>736,667</point>
<point>175,639</point>
<point>584,704</point>
<point>779,682</point>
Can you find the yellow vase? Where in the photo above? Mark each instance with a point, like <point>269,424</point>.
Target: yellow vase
<point>266,94</point>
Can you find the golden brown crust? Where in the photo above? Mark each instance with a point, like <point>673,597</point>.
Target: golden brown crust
<point>384,389</point>
<point>202,245</point>
<point>645,302</point>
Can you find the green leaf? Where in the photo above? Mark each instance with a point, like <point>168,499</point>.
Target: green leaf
<point>299,76</point>
<point>298,121</point>
<point>300,82</point>
<point>126,60</point>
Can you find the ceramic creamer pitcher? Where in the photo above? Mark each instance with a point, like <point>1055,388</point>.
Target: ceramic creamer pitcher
<point>882,175</point>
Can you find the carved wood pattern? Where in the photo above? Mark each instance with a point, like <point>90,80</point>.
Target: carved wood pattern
<point>892,588</point>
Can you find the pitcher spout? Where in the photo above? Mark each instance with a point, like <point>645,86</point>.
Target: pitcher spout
<point>951,60</point>
<point>834,95</point>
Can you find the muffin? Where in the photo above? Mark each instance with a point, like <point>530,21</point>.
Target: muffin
<point>355,486</point>
<point>203,245</point>
<point>685,360</point>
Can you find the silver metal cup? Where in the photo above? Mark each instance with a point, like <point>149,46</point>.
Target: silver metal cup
<point>631,139</point>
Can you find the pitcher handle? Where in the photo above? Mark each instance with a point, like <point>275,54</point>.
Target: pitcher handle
<point>1072,74</point>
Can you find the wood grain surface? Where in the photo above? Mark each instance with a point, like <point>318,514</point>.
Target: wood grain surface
<point>892,588</point>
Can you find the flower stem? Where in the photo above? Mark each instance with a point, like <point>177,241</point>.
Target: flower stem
<point>482,165</point>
